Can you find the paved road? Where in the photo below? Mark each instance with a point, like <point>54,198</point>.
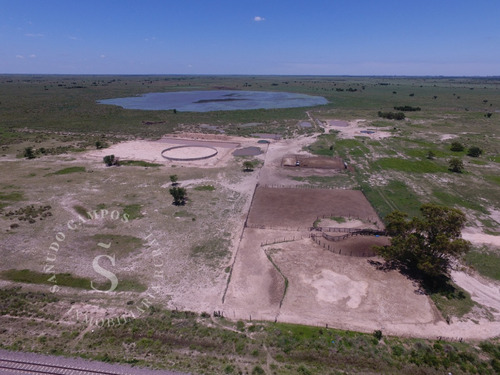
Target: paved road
<point>29,364</point>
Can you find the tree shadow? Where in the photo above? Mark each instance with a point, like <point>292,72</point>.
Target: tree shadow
<point>424,283</point>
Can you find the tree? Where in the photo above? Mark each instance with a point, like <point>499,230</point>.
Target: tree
<point>456,165</point>
<point>179,195</point>
<point>173,179</point>
<point>431,155</point>
<point>475,152</point>
<point>29,153</point>
<point>425,246</point>
<point>457,147</point>
<point>247,166</point>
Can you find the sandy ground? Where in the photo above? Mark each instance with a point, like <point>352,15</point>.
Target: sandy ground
<point>151,150</point>
<point>324,288</point>
<point>356,128</point>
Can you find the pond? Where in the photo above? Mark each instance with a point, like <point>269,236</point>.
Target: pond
<point>220,100</point>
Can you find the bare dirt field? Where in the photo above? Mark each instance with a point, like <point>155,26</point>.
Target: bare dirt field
<point>295,207</point>
<point>357,128</point>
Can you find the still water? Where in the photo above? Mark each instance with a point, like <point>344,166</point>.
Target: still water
<point>221,100</point>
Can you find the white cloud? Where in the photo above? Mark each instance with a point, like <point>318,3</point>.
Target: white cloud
<point>103,56</point>
<point>19,57</point>
<point>259,19</point>
<point>31,35</point>
<point>72,37</point>
<point>32,56</point>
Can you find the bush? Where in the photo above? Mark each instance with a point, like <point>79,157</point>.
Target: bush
<point>110,160</point>
<point>475,152</point>
<point>377,334</point>
<point>29,153</point>
<point>392,115</point>
<point>457,147</point>
<point>407,108</point>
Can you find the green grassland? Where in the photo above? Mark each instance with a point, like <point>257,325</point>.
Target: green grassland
<point>197,343</point>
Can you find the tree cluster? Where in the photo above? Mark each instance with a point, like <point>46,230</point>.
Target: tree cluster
<point>407,108</point>
<point>392,115</point>
<point>425,246</point>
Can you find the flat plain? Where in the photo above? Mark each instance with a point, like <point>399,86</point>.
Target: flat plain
<point>238,259</point>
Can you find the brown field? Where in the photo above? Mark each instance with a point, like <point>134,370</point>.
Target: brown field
<point>299,208</point>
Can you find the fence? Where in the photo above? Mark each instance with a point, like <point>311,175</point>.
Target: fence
<point>281,240</point>
<point>330,247</point>
<point>309,187</point>
<point>272,227</point>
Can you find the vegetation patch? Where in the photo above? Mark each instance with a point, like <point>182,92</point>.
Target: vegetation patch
<point>487,263</point>
<point>121,245</point>
<point>65,279</point>
<point>133,211</point>
<point>211,249</point>
<point>139,163</point>
<point>205,188</point>
<point>68,170</point>
<point>453,200</point>
<point>452,300</point>
<point>80,210</point>
<point>410,166</point>
<point>493,178</point>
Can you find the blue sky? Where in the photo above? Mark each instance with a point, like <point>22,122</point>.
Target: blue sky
<point>316,37</point>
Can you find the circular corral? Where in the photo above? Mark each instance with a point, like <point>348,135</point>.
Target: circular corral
<point>189,153</point>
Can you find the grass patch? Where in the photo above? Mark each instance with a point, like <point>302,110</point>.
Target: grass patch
<point>452,301</point>
<point>394,196</point>
<point>121,245</point>
<point>133,211</point>
<point>183,214</point>
<point>452,200</point>
<point>211,249</point>
<point>69,170</point>
<point>493,178</point>
<point>205,188</point>
<point>410,166</point>
<point>139,163</point>
<point>80,210</point>
<point>285,279</point>
<point>66,279</point>
<point>487,263</point>
<point>14,196</point>
<point>338,219</point>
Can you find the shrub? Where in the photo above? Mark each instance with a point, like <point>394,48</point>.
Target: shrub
<point>110,160</point>
<point>457,147</point>
<point>475,152</point>
<point>456,165</point>
<point>392,115</point>
<point>29,153</point>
